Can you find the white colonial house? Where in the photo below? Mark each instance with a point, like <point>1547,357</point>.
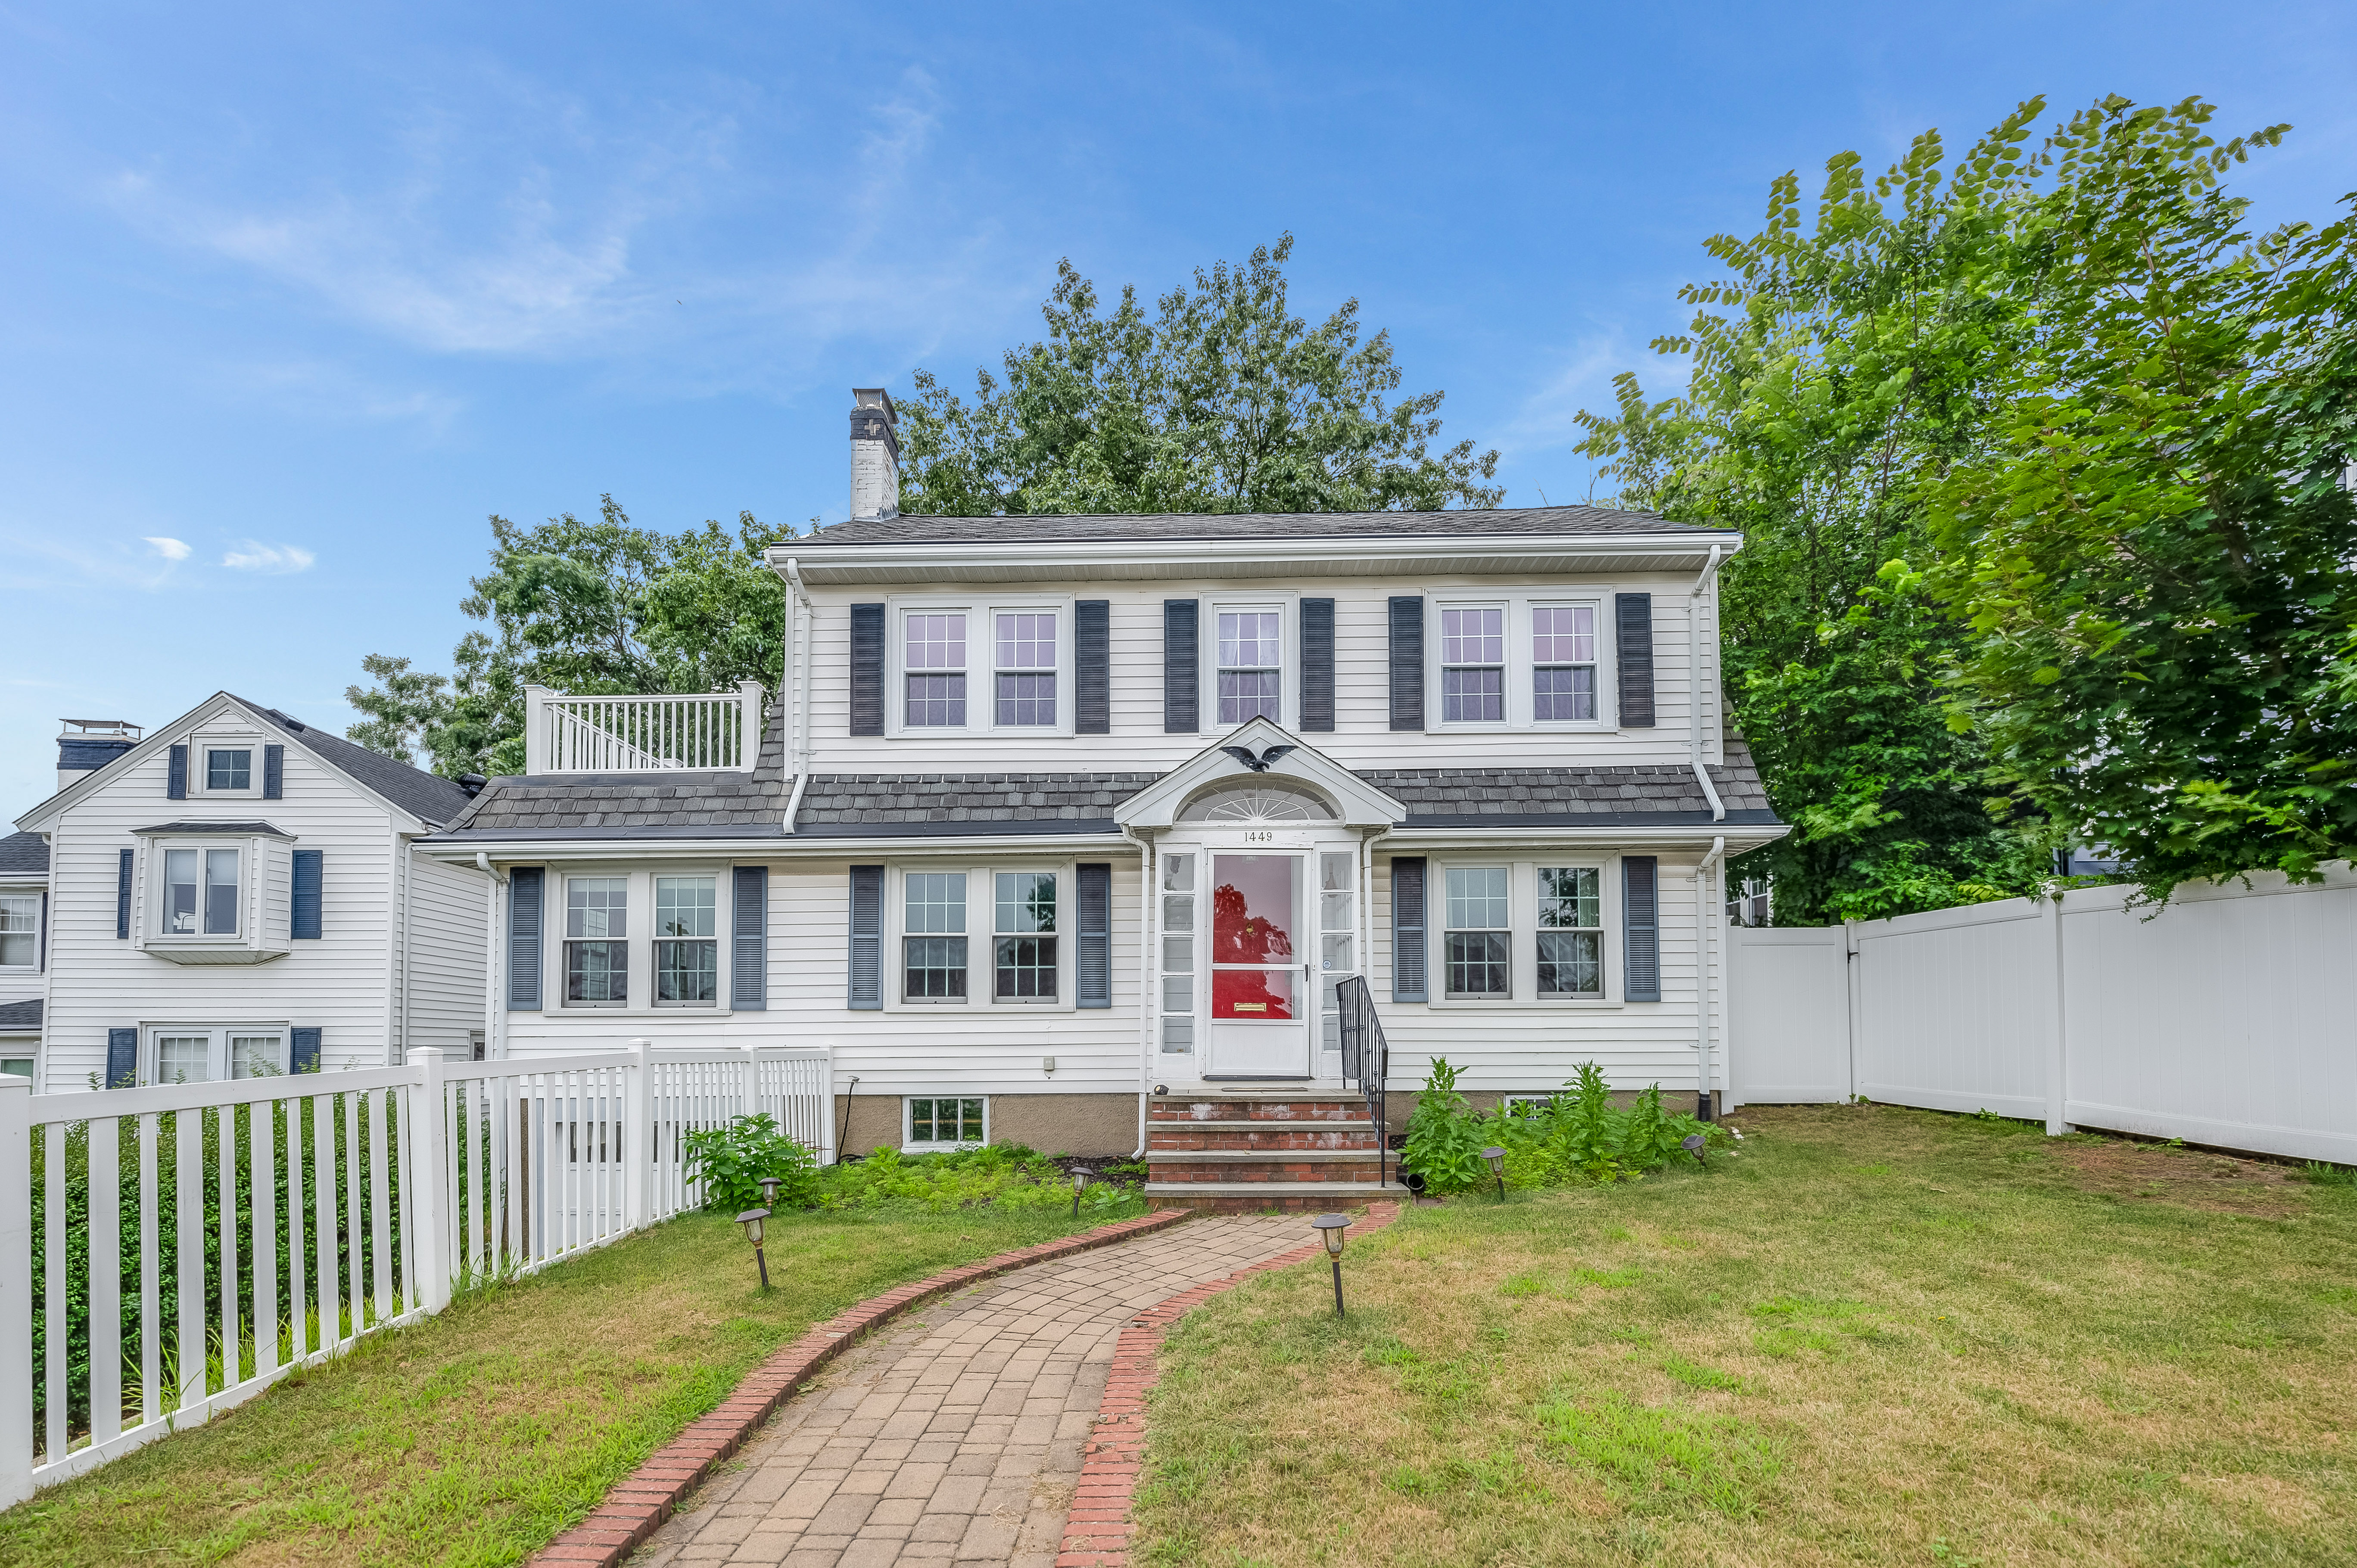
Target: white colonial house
<point>236,893</point>
<point>1061,820</point>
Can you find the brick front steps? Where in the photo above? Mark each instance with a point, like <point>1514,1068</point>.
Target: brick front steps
<point>1252,1151</point>
<point>1097,1530</point>
<point>642,1500</point>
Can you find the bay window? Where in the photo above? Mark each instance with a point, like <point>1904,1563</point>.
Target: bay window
<point>596,941</point>
<point>934,943</point>
<point>200,892</point>
<point>687,942</point>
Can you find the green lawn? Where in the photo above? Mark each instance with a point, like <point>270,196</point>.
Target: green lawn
<point>475,1436</point>
<point>1874,1337</point>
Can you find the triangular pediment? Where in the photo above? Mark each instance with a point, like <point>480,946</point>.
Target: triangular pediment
<point>1356,802</point>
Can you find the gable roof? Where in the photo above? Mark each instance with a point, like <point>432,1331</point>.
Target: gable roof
<point>20,1017</point>
<point>425,795</point>
<point>24,854</point>
<point>1495,522</point>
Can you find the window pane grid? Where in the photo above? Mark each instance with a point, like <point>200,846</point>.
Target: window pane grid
<point>1563,658</point>
<point>1027,968</point>
<point>19,921</point>
<point>597,906</point>
<point>229,769</point>
<point>1472,658</point>
<point>945,1122</point>
<point>1178,954</point>
<point>1479,915</point>
<point>936,700</point>
<point>687,972</point>
<point>1251,671</point>
<point>1026,699</point>
<point>936,969</point>
<point>184,1058</point>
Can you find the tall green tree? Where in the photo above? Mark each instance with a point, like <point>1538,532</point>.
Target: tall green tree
<point>1220,400</point>
<point>583,606</point>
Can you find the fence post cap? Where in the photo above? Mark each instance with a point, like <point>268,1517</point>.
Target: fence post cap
<point>426,1053</point>
<point>9,1081</point>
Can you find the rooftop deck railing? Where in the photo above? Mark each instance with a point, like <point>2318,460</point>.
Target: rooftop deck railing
<point>642,734</point>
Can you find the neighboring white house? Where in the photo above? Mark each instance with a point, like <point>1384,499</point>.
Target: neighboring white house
<point>1059,810</point>
<point>238,893</point>
<point>23,961</point>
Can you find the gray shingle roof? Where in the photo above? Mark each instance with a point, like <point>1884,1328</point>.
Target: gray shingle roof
<point>24,852</point>
<point>1076,529</point>
<point>749,806</point>
<point>168,830</point>
<point>422,794</point>
<point>18,1016</point>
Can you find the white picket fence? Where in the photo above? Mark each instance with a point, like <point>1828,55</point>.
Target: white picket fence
<point>2227,1018</point>
<point>340,1205</point>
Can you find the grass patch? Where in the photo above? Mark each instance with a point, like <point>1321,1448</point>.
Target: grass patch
<point>475,1436</point>
<point>1880,1336</point>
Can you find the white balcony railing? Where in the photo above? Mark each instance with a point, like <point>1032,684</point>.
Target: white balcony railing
<point>642,734</point>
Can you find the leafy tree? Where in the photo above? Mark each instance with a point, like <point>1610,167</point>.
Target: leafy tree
<point>1221,401</point>
<point>583,606</point>
<point>1836,369</point>
<point>2157,557</point>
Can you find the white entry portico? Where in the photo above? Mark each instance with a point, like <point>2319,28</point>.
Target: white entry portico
<point>1260,910</point>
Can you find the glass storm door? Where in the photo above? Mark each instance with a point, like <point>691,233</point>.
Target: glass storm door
<point>1260,974</point>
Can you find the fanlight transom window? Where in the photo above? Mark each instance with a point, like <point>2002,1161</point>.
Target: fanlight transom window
<point>1257,803</point>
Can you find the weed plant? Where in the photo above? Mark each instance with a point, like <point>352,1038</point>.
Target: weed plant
<point>1575,1138</point>
<point>730,1160</point>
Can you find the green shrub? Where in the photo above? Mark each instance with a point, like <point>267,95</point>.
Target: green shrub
<point>1577,1137</point>
<point>1444,1138</point>
<point>1005,1175</point>
<point>731,1161</point>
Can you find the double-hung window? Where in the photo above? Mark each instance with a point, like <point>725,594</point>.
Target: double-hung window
<point>20,930</point>
<point>933,927</point>
<point>933,669</point>
<point>1252,666</point>
<point>1571,931</point>
<point>200,892</point>
<point>1023,955</point>
<point>1472,665</point>
<point>1025,668</point>
<point>687,942</point>
<point>1480,931</point>
<point>227,768</point>
<point>596,941</point>
<point>1563,662</point>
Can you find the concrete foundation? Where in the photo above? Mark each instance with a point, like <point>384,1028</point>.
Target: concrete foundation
<point>1094,1124</point>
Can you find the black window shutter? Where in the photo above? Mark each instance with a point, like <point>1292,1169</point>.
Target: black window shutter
<point>1407,663</point>
<point>1317,664</point>
<point>176,774</point>
<point>1640,916</point>
<point>524,884</point>
<point>122,1057</point>
<point>304,910</point>
<point>302,1051</point>
<point>41,961</point>
<point>274,772</point>
<point>1092,667</point>
<point>122,897</point>
<point>1632,616</point>
<point>1408,954</point>
<point>748,976</point>
<point>1181,669</point>
<point>866,939</point>
<point>867,668</point>
<point>1092,960</point>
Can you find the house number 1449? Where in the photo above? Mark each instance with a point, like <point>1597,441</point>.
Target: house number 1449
<point>1262,837</point>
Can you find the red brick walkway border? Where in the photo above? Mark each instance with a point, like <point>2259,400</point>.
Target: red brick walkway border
<point>1097,1530</point>
<point>642,1500</point>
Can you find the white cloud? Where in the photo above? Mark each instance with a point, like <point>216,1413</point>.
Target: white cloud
<point>274,559</point>
<point>169,549</point>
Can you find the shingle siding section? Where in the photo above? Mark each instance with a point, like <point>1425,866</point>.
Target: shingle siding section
<point>1533,520</point>
<point>896,798</point>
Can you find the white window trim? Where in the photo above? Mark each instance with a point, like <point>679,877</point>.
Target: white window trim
<point>1440,666</point>
<point>980,937</point>
<point>249,861</point>
<point>1287,609</point>
<point>639,889</point>
<point>1523,942</point>
<point>909,1147</point>
<point>199,772</point>
<point>33,894</point>
<point>150,1066</point>
<point>981,663</point>
<point>1519,706</point>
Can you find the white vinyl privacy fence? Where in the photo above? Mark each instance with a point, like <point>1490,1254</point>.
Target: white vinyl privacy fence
<point>2228,1018</point>
<point>170,1252</point>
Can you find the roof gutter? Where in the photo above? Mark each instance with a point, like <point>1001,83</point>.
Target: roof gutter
<point>1694,683</point>
<point>799,635</point>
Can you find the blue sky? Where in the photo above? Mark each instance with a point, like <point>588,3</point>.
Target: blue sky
<point>305,292</point>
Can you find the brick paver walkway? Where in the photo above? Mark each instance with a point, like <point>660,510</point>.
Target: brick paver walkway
<point>956,1437</point>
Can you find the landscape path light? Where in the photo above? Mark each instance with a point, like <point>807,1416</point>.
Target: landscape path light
<point>751,1220</point>
<point>769,1184</point>
<point>1330,1231</point>
<point>1081,1176</point>
<point>1497,1158</point>
<point>1692,1143</point>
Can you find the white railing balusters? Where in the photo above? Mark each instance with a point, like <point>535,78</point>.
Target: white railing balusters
<point>642,734</point>
<point>55,1394</point>
<point>262,1120</point>
<point>381,1206</point>
<point>151,1328</point>
<point>298,1273</point>
<point>225,1168</point>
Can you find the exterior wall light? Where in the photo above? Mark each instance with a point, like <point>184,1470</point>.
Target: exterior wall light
<point>1330,1231</point>
<point>1081,1178</point>
<point>751,1220</point>
<point>1497,1158</point>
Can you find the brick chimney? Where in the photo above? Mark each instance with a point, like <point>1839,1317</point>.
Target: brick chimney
<point>874,455</point>
<point>84,745</point>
